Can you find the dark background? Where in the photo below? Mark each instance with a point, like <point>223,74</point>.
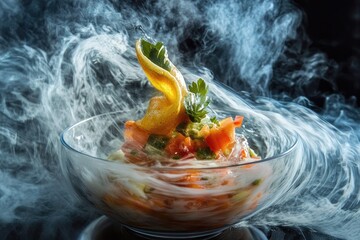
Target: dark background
<point>329,27</point>
<point>333,27</point>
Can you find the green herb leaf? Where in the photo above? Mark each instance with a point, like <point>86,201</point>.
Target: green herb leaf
<point>158,141</point>
<point>256,182</point>
<point>205,154</point>
<point>214,120</point>
<point>157,53</point>
<point>197,101</point>
<point>199,87</point>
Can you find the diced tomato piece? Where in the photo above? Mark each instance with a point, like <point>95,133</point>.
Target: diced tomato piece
<point>188,144</point>
<point>222,137</point>
<point>134,134</point>
<point>173,146</point>
<point>179,146</point>
<point>238,121</point>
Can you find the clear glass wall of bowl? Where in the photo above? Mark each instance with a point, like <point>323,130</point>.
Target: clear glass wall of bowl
<point>187,200</point>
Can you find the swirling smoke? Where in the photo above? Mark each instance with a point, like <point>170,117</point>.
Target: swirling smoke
<point>63,61</point>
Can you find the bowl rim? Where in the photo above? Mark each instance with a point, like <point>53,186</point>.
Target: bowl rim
<point>67,146</point>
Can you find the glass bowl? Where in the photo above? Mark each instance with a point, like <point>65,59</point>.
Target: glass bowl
<point>178,200</point>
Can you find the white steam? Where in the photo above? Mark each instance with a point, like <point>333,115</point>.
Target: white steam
<point>70,61</point>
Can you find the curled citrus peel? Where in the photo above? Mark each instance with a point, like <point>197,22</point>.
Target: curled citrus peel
<point>164,112</point>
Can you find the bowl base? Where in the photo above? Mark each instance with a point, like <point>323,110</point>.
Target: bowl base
<point>104,228</point>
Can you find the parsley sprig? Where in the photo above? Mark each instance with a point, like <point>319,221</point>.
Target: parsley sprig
<point>157,53</point>
<point>197,101</point>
